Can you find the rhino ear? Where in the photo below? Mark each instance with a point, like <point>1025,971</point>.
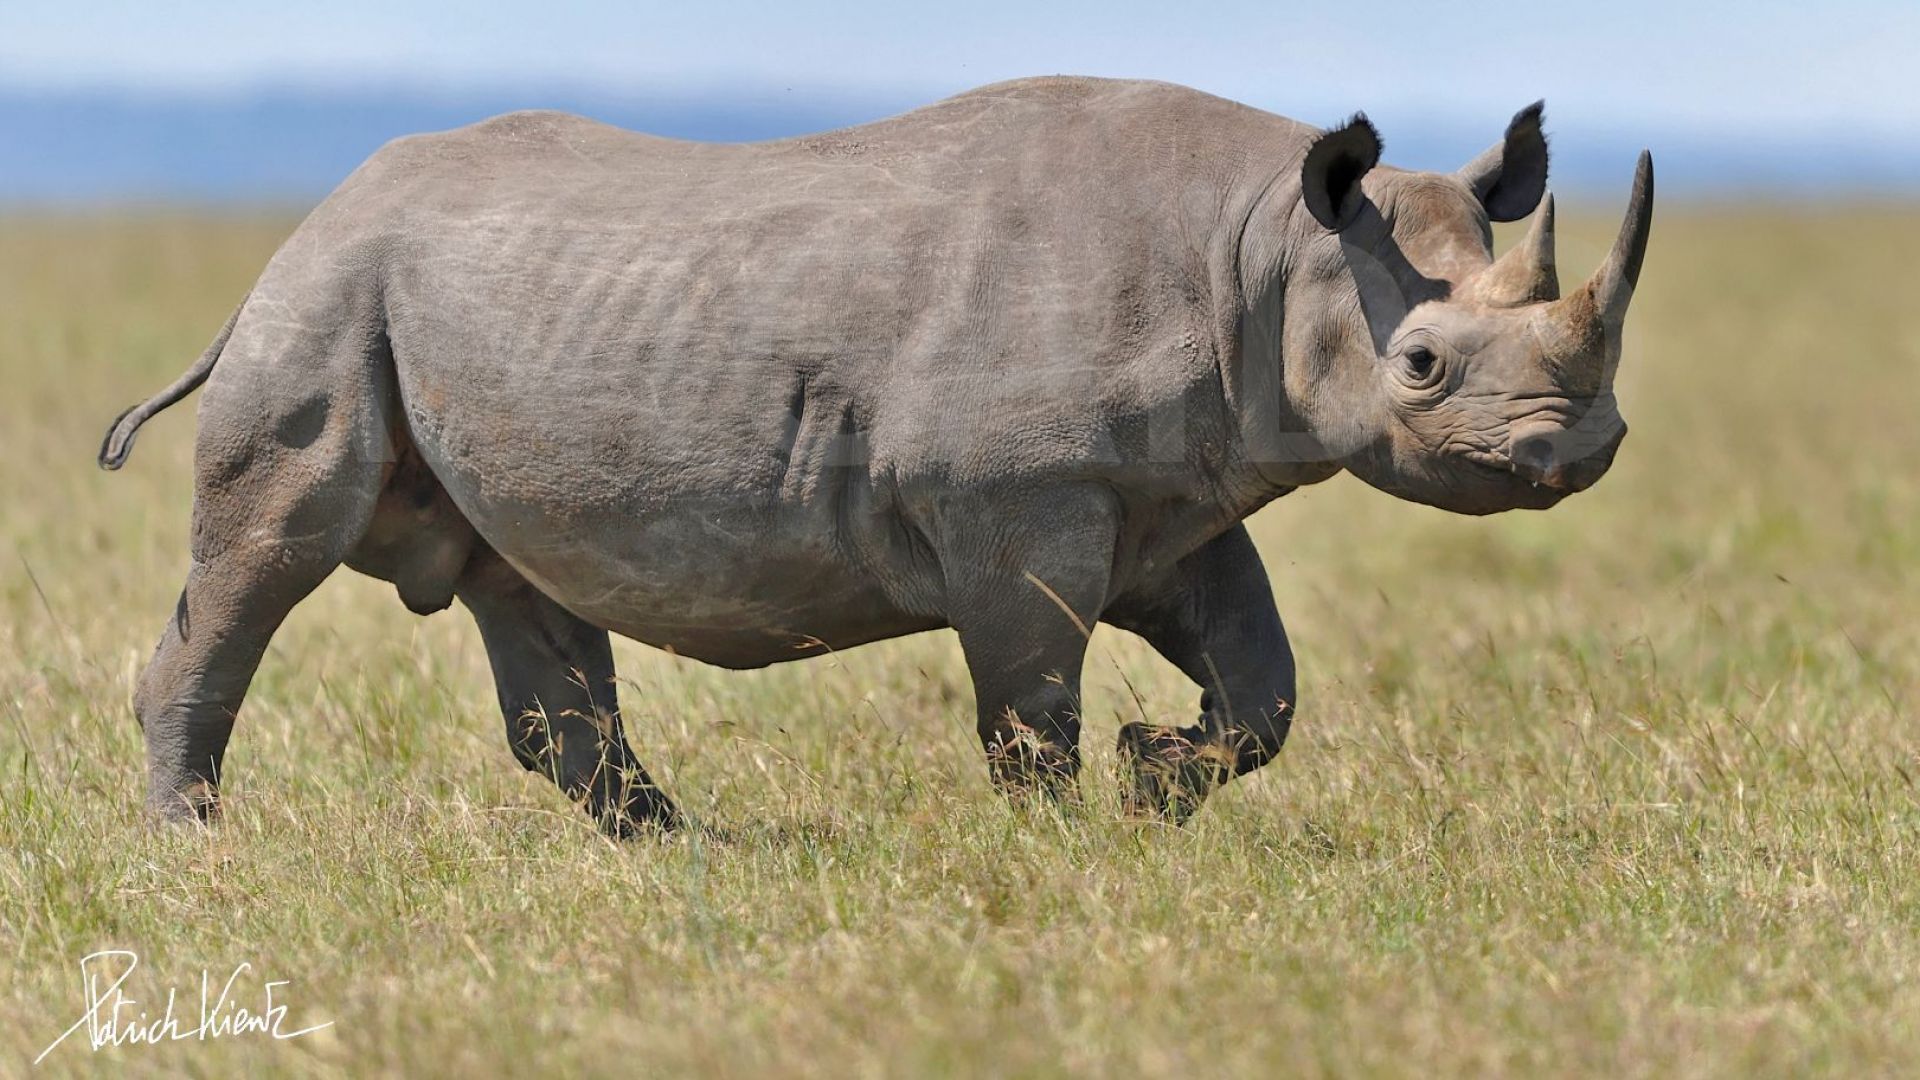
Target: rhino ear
<point>1511,176</point>
<point>1336,162</point>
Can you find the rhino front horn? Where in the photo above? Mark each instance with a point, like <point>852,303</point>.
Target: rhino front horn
<point>1612,284</point>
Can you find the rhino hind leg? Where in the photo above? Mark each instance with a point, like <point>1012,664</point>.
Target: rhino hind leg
<point>553,672</point>
<point>271,519</point>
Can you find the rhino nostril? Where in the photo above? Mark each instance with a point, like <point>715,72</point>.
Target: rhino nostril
<point>1534,454</point>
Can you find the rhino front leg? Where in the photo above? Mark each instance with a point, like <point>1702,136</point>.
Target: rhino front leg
<point>1213,617</point>
<point>553,672</point>
<point>1025,584</point>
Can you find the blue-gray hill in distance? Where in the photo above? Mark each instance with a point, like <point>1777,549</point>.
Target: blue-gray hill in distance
<point>289,145</point>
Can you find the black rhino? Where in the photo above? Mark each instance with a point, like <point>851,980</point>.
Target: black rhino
<point>1014,363</point>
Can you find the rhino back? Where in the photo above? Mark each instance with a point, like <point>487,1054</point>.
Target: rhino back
<point>1011,258</point>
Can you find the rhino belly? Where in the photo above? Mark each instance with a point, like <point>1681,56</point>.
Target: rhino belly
<point>738,588</point>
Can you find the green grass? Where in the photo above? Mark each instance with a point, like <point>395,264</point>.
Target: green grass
<point>1622,789</point>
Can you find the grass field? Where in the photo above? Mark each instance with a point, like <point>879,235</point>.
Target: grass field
<point>1624,789</point>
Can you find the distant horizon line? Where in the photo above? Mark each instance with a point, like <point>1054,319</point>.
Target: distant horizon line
<point>288,141</point>
<point>899,96</point>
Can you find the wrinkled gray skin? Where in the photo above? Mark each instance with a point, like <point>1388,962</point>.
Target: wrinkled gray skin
<point>1015,363</point>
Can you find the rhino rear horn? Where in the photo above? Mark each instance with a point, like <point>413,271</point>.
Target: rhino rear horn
<point>1510,176</point>
<point>1612,285</point>
<point>1526,273</point>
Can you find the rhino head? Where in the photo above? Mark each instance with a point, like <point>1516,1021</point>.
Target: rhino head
<point>1428,368</point>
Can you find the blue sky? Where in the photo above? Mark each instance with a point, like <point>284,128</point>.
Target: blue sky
<point>1744,64</point>
<point>1803,77</point>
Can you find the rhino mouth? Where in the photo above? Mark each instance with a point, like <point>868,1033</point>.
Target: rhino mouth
<point>1544,487</point>
<point>1516,491</point>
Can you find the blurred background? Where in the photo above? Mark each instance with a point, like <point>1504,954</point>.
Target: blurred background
<point>224,100</point>
<point>1624,789</point>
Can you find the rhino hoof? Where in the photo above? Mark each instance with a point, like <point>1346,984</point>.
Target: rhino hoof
<point>645,812</point>
<point>1032,769</point>
<point>194,803</point>
<point>1172,771</point>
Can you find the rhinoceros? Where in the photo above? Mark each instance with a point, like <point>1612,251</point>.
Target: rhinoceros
<point>1015,363</point>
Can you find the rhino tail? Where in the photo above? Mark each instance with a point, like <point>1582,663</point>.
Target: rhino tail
<point>119,441</point>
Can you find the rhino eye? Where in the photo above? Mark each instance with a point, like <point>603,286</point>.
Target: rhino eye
<point>1420,362</point>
